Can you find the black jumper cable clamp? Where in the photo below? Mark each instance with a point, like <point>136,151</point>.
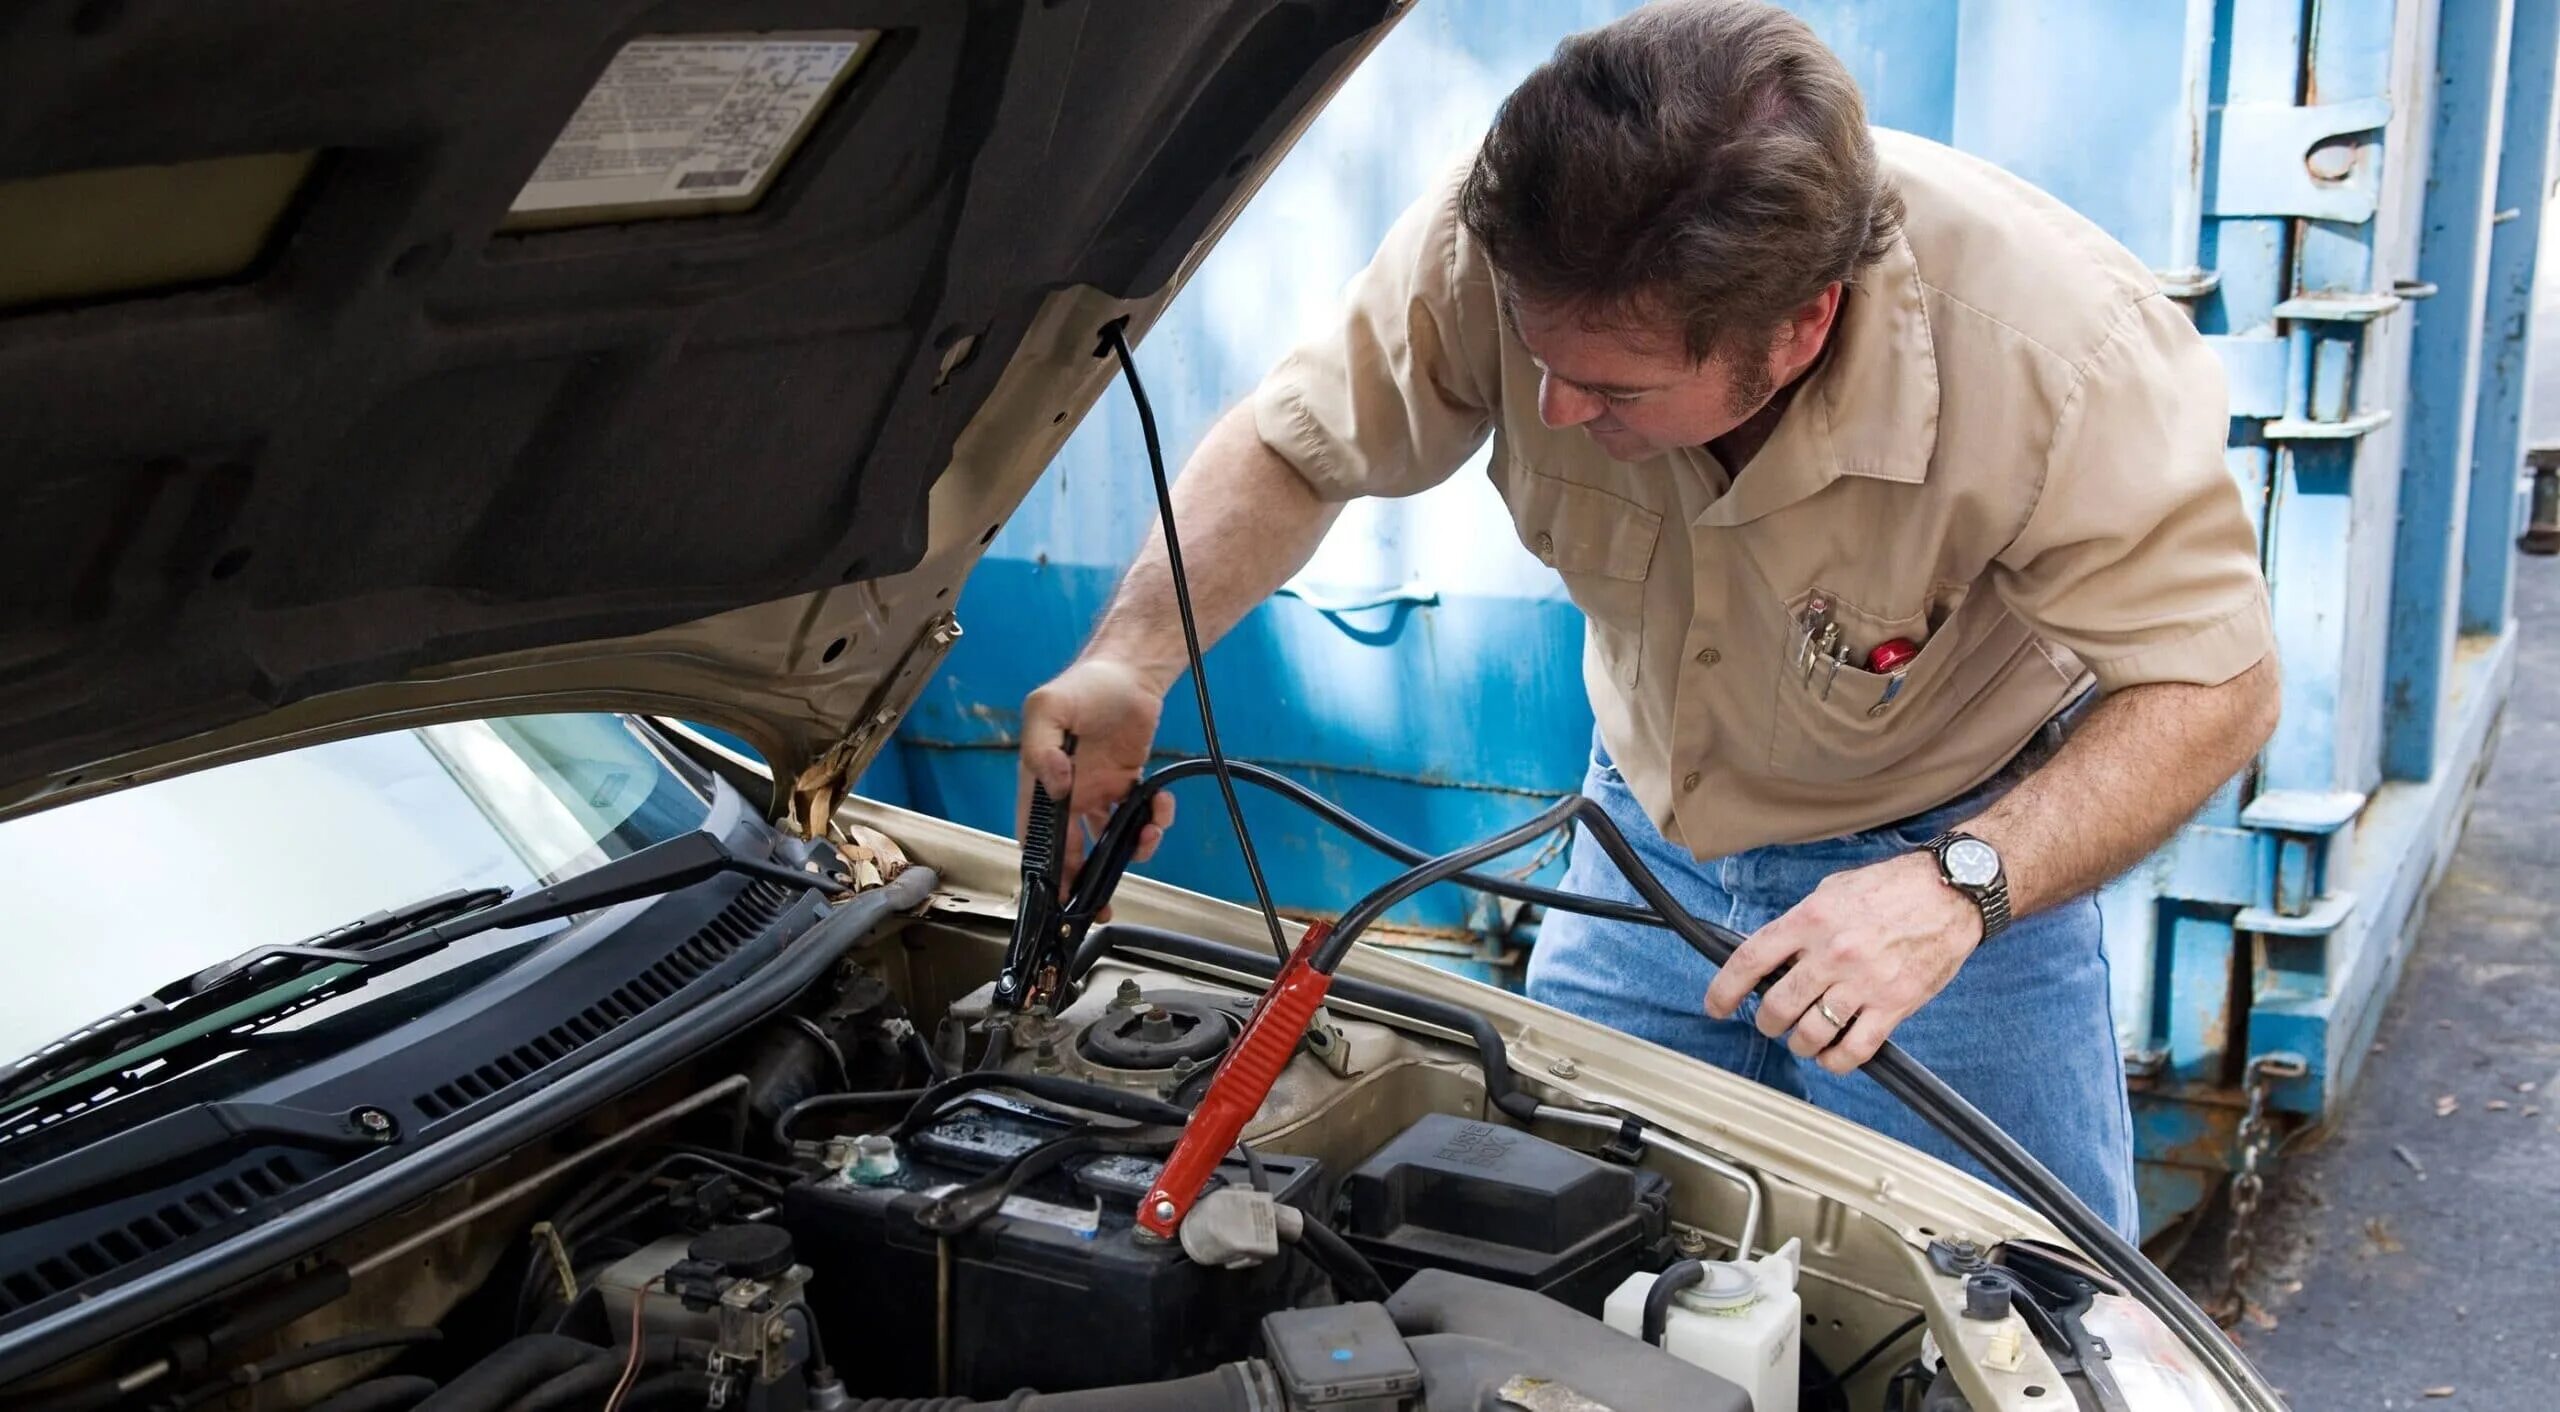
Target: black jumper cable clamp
<point>1036,957</point>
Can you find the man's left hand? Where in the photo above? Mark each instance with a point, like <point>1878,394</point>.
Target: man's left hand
<point>1871,945</point>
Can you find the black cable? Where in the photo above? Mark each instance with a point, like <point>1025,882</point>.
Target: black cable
<point>971,1204</point>
<point>1365,912</point>
<point>1057,1088</point>
<point>772,1175</point>
<point>789,1117</point>
<point>826,1042</point>
<point>1354,1278</point>
<point>1675,1277</point>
<point>817,1342</point>
<point>1859,1364</point>
<point>1115,337</point>
<point>912,1040</point>
<point>1111,854</point>
<point>1900,1075</point>
<point>346,1346</point>
<point>573,1223</point>
<point>1254,1171</point>
<point>1930,1096</point>
<point>1910,1382</point>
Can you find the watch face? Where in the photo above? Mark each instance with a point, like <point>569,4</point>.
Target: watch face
<point>1972,863</point>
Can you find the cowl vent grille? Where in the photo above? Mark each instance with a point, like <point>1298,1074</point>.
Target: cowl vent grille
<point>224,1195</point>
<point>746,917</point>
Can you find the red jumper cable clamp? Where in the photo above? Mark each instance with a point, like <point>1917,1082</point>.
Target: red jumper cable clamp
<point>1242,1082</point>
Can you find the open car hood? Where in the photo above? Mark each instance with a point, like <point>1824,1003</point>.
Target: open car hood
<point>366,366</point>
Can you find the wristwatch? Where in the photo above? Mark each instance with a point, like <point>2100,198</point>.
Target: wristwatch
<point>1973,867</point>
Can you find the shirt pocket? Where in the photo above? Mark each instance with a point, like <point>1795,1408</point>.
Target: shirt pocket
<point>1841,722</point>
<point>1602,546</point>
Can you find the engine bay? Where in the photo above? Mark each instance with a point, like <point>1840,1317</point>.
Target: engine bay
<point>899,1195</point>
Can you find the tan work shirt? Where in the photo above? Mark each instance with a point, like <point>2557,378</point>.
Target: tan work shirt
<point>2011,455</point>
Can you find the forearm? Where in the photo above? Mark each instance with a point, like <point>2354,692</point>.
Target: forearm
<point>1248,522</point>
<point>2138,767</point>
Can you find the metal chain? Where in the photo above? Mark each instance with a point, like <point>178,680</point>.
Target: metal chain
<point>2249,1187</point>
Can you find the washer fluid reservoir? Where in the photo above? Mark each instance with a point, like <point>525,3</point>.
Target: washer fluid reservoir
<point>1744,1322</point>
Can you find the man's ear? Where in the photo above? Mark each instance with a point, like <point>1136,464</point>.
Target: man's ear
<point>1811,322</point>
<point>1801,337</point>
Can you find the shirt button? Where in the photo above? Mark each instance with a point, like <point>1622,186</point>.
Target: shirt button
<point>1708,657</point>
<point>1689,781</point>
<point>1546,546</point>
<point>1878,709</point>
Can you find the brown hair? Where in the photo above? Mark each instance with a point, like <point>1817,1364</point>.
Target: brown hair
<point>1701,163</point>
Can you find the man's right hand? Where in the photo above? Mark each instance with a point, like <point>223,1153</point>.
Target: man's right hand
<point>1112,711</point>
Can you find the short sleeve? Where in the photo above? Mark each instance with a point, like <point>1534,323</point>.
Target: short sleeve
<point>2138,555</point>
<point>1393,398</point>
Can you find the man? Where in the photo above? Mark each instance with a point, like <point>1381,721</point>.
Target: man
<point>1920,602</point>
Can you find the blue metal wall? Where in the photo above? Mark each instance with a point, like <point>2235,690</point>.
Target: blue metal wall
<point>2347,193</point>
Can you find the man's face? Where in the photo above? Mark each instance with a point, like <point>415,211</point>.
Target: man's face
<point>1636,392</point>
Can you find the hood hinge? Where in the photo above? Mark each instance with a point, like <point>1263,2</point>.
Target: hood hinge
<point>819,788</point>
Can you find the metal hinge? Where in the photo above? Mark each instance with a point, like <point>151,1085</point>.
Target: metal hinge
<point>2303,823</point>
<point>2309,429</point>
<point>820,787</point>
<point>2340,308</point>
<point>2267,165</point>
<point>2194,282</point>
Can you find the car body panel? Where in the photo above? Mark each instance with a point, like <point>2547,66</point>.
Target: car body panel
<point>405,464</point>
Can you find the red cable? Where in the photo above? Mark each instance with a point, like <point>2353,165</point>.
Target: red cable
<point>1237,1090</point>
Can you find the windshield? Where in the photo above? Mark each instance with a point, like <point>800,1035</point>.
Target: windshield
<point>281,848</point>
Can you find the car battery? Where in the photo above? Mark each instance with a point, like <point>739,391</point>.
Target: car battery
<point>1056,1291</point>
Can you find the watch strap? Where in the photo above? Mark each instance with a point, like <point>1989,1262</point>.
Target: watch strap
<point>1991,899</point>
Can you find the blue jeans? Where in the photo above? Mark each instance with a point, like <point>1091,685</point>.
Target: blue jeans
<point>2024,1031</point>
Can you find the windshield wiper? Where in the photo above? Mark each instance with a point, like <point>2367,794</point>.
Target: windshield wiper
<point>221,997</point>
<point>166,1008</point>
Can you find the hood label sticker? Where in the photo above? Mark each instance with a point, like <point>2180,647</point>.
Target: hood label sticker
<point>685,126</point>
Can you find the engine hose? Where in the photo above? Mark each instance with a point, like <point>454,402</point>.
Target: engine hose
<point>1675,1277</point>
<point>1896,1071</point>
<point>687,1391</point>
<point>1502,1088</point>
<point>379,1395</point>
<point>1354,1278</point>
<point>585,1385</point>
<point>344,1346</point>
<point>518,1367</point>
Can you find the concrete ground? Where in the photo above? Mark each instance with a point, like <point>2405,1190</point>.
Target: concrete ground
<point>2411,1255</point>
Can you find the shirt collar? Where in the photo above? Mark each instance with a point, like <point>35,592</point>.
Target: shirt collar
<point>1870,409</point>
